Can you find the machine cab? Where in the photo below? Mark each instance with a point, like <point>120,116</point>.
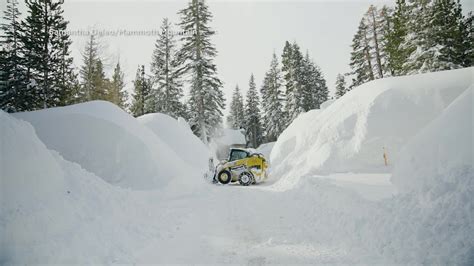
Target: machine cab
<point>238,154</point>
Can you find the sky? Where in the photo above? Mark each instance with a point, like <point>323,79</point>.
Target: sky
<point>248,32</point>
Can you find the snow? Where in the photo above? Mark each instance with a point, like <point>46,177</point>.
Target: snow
<point>224,140</point>
<point>180,138</point>
<point>57,207</point>
<point>229,136</point>
<point>108,142</point>
<point>439,150</point>
<point>265,149</point>
<point>432,221</point>
<point>351,134</point>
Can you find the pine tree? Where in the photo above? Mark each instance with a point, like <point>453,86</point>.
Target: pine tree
<point>361,59</point>
<point>13,94</point>
<point>468,42</point>
<point>340,86</point>
<point>369,58</point>
<point>100,83</point>
<point>47,54</point>
<point>272,102</point>
<point>196,56</point>
<point>373,30</point>
<point>397,55</point>
<point>294,69</point>
<point>88,69</point>
<point>236,118</point>
<point>139,93</point>
<point>167,89</point>
<point>450,34</point>
<point>253,124</point>
<point>117,94</point>
<point>437,38</point>
<point>315,90</point>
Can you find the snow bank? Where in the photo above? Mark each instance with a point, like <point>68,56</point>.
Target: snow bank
<point>351,133</point>
<point>266,149</point>
<point>53,211</point>
<point>25,163</point>
<point>444,147</point>
<point>179,138</point>
<point>432,221</point>
<point>108,142</point>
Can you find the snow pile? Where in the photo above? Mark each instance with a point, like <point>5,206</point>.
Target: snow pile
<point>108,142</point>
<point>432,221</point>
<point>179,138</point>
<point>352,133</point>
<point>266,149</point>
<point>52,210</point>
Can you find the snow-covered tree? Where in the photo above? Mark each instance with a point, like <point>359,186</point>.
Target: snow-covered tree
<point>437,38</point>
<point>340,86</point>
<point>142,101</point>
<point>396,54</point>
<point>196,56</point>
<point>253,124</point>
<point>236,118</point>
<point>315,90</point>
<point>13,94</point>
<point>117,93</point>
<point>47,53</point>
<point>294,75</point>
<point>274,116</point>
<point>167,85</point>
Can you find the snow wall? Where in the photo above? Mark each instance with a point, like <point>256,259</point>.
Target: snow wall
<point>108,142</point>
<point>351,134</point>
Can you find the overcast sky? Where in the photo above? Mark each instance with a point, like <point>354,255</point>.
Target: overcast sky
<point>247,33</point>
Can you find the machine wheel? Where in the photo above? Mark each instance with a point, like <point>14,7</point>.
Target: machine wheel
<point>224,177</point>
<point>246,178</point>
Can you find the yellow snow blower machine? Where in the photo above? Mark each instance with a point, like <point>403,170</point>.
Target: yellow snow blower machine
<point>243,166</point>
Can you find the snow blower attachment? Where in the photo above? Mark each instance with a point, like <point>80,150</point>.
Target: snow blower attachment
<point>243,167</point>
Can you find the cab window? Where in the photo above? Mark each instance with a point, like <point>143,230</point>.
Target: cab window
<point>237,155</point>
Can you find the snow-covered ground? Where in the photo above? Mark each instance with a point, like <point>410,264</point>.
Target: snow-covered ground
<point>90,184</point>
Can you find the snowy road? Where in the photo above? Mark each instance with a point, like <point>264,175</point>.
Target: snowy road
<point>255,225</point>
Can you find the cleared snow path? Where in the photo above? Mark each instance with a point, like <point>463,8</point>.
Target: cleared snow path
<point>255,225</point>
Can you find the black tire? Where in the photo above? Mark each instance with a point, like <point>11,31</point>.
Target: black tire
<point>224,177</point>
<point>246,178</point>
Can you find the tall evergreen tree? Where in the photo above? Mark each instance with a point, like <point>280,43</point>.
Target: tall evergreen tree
<point>274,116</point>
<point>167,89</point>
<point>396,54</point>
<point>206,99</point>
<point>13,94</point>
<point>375,34</point>
<point>294,69</point>
<point>253,124</point>
<point>361,59</point>
<point>142,94</point>
<point>315,90</point>
<point>236,118</point>
<point>117,93</point>
<point>340,86</point>
<point>90,57</point>
<point>369,59</point>
<point>468,26</point>
<point>47,53</point>
<point>100,84</point>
